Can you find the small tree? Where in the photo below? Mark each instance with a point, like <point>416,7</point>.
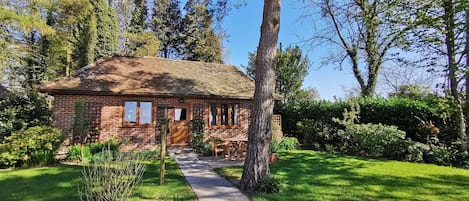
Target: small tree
<point>80,126</point>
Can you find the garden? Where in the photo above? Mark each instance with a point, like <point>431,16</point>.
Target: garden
<point>312,175</point>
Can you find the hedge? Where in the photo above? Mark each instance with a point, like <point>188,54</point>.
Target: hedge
<point>407,114</point>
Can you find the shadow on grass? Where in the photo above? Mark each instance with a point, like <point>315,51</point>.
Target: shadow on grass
<point>310,175</point>
<point>55,183</point>
<point>58,183</point>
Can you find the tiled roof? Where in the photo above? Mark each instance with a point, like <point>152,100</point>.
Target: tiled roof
<point>155,76</point>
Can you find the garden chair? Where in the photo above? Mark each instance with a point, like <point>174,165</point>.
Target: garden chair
<point>219,147</point>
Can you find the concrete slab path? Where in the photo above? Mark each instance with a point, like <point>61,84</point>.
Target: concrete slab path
<point>206,184</point>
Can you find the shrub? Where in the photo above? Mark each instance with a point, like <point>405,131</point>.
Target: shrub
<point>34,146</point>
<point>21,111</point>
<point>113,177</point>
<point>289,143</point>
<point>199,145</point>
<point>400,112</point>
<point>268,185</point>
<point>74,152</point>
<point>374,140</point>
<point>100,146</point>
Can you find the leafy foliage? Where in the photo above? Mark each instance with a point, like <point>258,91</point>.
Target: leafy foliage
<point>113,177</point>
<point>166,24</point>
<point>307,119</point>
<point>106,26</point>
<point>34,146</point>
<point>21,111</point>
<point>200,41</point>
<point>291,69</point>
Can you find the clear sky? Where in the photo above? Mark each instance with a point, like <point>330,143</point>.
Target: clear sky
<point>243,28</point>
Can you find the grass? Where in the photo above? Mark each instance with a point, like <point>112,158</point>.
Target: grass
<point>309,175</point>
<point>61,182</point>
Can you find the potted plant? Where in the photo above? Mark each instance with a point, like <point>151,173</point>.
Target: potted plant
<point>274,148</point>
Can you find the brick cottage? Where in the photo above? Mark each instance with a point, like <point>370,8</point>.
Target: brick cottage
<point>125,97</point>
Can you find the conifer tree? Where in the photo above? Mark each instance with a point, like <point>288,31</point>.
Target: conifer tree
<point>166,23</point>
<point>106,26</point>
<point>200,41</point>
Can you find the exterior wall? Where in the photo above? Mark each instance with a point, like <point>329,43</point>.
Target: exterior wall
<point>109,117</point>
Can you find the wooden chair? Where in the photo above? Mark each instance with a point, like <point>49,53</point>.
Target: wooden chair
<point>219,147</point>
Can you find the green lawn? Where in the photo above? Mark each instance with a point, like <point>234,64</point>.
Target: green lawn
<point>309,175</point>
<point>60,183</point>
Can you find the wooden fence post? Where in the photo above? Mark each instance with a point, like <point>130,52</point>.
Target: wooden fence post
<point>164,130</point>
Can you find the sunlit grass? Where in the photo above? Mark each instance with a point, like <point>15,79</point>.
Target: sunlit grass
<point>309,175</point>
<point>59,183</point>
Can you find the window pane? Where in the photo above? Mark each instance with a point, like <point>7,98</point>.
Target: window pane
<point>224,114</point>
<point>234,114</point>
<point>130,112</point>
<point>179,114</point>
<point>145,112</point>
<point>183,114</point>
<point>213,114</point>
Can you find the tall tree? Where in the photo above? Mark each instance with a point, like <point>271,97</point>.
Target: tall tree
<point>439,37</point>
<point>200,41</point>
<point>106,26</point>
<point>366,31</point>
<point>139,41</point>
<point>86,35</point>
<point>22,26</point>
<point>256,165</point>
<point>291,70</point>
<point>166,24</point>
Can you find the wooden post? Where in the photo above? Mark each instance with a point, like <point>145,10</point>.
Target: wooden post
<point>164,130</point>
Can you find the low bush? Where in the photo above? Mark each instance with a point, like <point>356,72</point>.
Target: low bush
<point>34,146</point>
<point>289,143</point>
<point>113,177</point>
<point>74,152</point>
<point>372,140</point>
<point>199,145</point>
<point>100,146</point>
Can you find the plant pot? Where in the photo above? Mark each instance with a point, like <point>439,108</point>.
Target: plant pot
<point>273,158</point>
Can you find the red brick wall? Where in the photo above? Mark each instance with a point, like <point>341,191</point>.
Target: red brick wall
<point>139,137</point>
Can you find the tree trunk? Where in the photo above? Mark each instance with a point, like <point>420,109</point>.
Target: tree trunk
<point>453,69</point>
<point>256,166</point>
<point>466,10</point>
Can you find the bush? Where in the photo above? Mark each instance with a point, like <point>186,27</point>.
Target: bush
<point>34,146</point>
<point>100,146</point>
<point>400,112</point>
<point>74,152</point>
<point>268,185</point>
<point>289,143</point>
<point>21,111</point>
<point>113,177</point>
<point>199,145</point>
<point>373,140</point>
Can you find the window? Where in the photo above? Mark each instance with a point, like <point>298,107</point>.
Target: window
<point>138,113</point>
<point>234,114</point>
<point>224,115</point>
<point>213,114</point>
<point>180,114</point>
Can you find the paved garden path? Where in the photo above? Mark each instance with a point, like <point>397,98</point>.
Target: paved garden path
<point>206,184</point>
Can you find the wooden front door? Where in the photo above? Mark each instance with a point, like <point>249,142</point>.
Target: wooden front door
<point>179,126</point>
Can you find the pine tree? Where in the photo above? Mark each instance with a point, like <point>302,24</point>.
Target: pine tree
<point>84,51</point>
<point>140,42</point>
<point>166,22</point>
<point>106,26</point>
<point>200,41</point>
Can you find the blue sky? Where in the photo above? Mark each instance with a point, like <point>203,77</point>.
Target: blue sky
<point>243,28</point>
